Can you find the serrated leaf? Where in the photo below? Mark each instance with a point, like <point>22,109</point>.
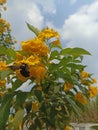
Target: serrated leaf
<point>33,29</point>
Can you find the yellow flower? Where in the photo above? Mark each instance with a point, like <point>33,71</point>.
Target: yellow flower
<point>2,1</point>
<point>8,25</point>
<point>56,42</point>
<point>93,91</point>
<point>7,40</point>
<point>39,88</point>
<point>19,56</point>
<point>30,61</point>
<point>4,26</point>
<point>68,86</point>
<point>38,72</point>
<point>35,46</point>
<point>67,127</point>
<point>48,33</point>
<point>81,98</point>
<point>35,106</point>
<point>2,82</point>
<point>1,93</point>
<point>5,8</point>
<point>3,66</point>
<point>84,74</point>
<point>94,80</point>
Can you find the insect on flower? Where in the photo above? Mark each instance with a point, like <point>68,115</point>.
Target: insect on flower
<point>24,70</point>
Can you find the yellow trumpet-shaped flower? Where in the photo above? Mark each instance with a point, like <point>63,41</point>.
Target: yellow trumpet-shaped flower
<point>1,93</point>
<point>94,80</point>
<point>3,65</point>
<point>35,46</point>
<point>39,88</point>
<point>35,106</point>
<point>67,127</point>
<point>4,25</point>
<point>38,72</point>
<point>19,56</point>
<point>2,82</point>
<point>68,86</point>
<point>84,74</point>
<point>31,61</point>
<point>93,91</point>
<point>81,98</point>
<point>48,33</point>
<point>2,1</point>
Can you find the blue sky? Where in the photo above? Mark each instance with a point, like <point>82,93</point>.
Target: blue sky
<point>75,20</point>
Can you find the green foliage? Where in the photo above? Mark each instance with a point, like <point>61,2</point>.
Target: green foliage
<point>17,120</point>
<point>4,73</point>
<point>5,110</point>
<point>33,29</point>
<point>55,77</point>
<point>95,127</point>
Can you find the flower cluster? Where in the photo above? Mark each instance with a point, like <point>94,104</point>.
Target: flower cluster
<point>59,84</point>
<point>4,26</point>
<point>2,4</point>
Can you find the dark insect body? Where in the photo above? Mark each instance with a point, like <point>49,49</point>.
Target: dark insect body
<point>24,70</point>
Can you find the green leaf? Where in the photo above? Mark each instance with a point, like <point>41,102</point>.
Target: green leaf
<point>75,66</point>
<point>94,127</point>
<point>64,61</point>
<point>38,94</point>
<point>18,119</point>
<point>4,73</point>
<point>54,54</point>
<point>16,84</point>
<point>66,51</point>
<point>75,51</point>
<point>55,46</point>
<point>76,109</point>
<point>3,50</point>
<point>20,98</point>
<point>56,89</point>
<point>79,51</point>
<point>4,110</point>
<point>33,29</point>
<point>11,53</point>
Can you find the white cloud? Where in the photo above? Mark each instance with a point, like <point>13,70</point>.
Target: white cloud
<point>81,29</point>
<point>20,12</point>
<point>34,16</point>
